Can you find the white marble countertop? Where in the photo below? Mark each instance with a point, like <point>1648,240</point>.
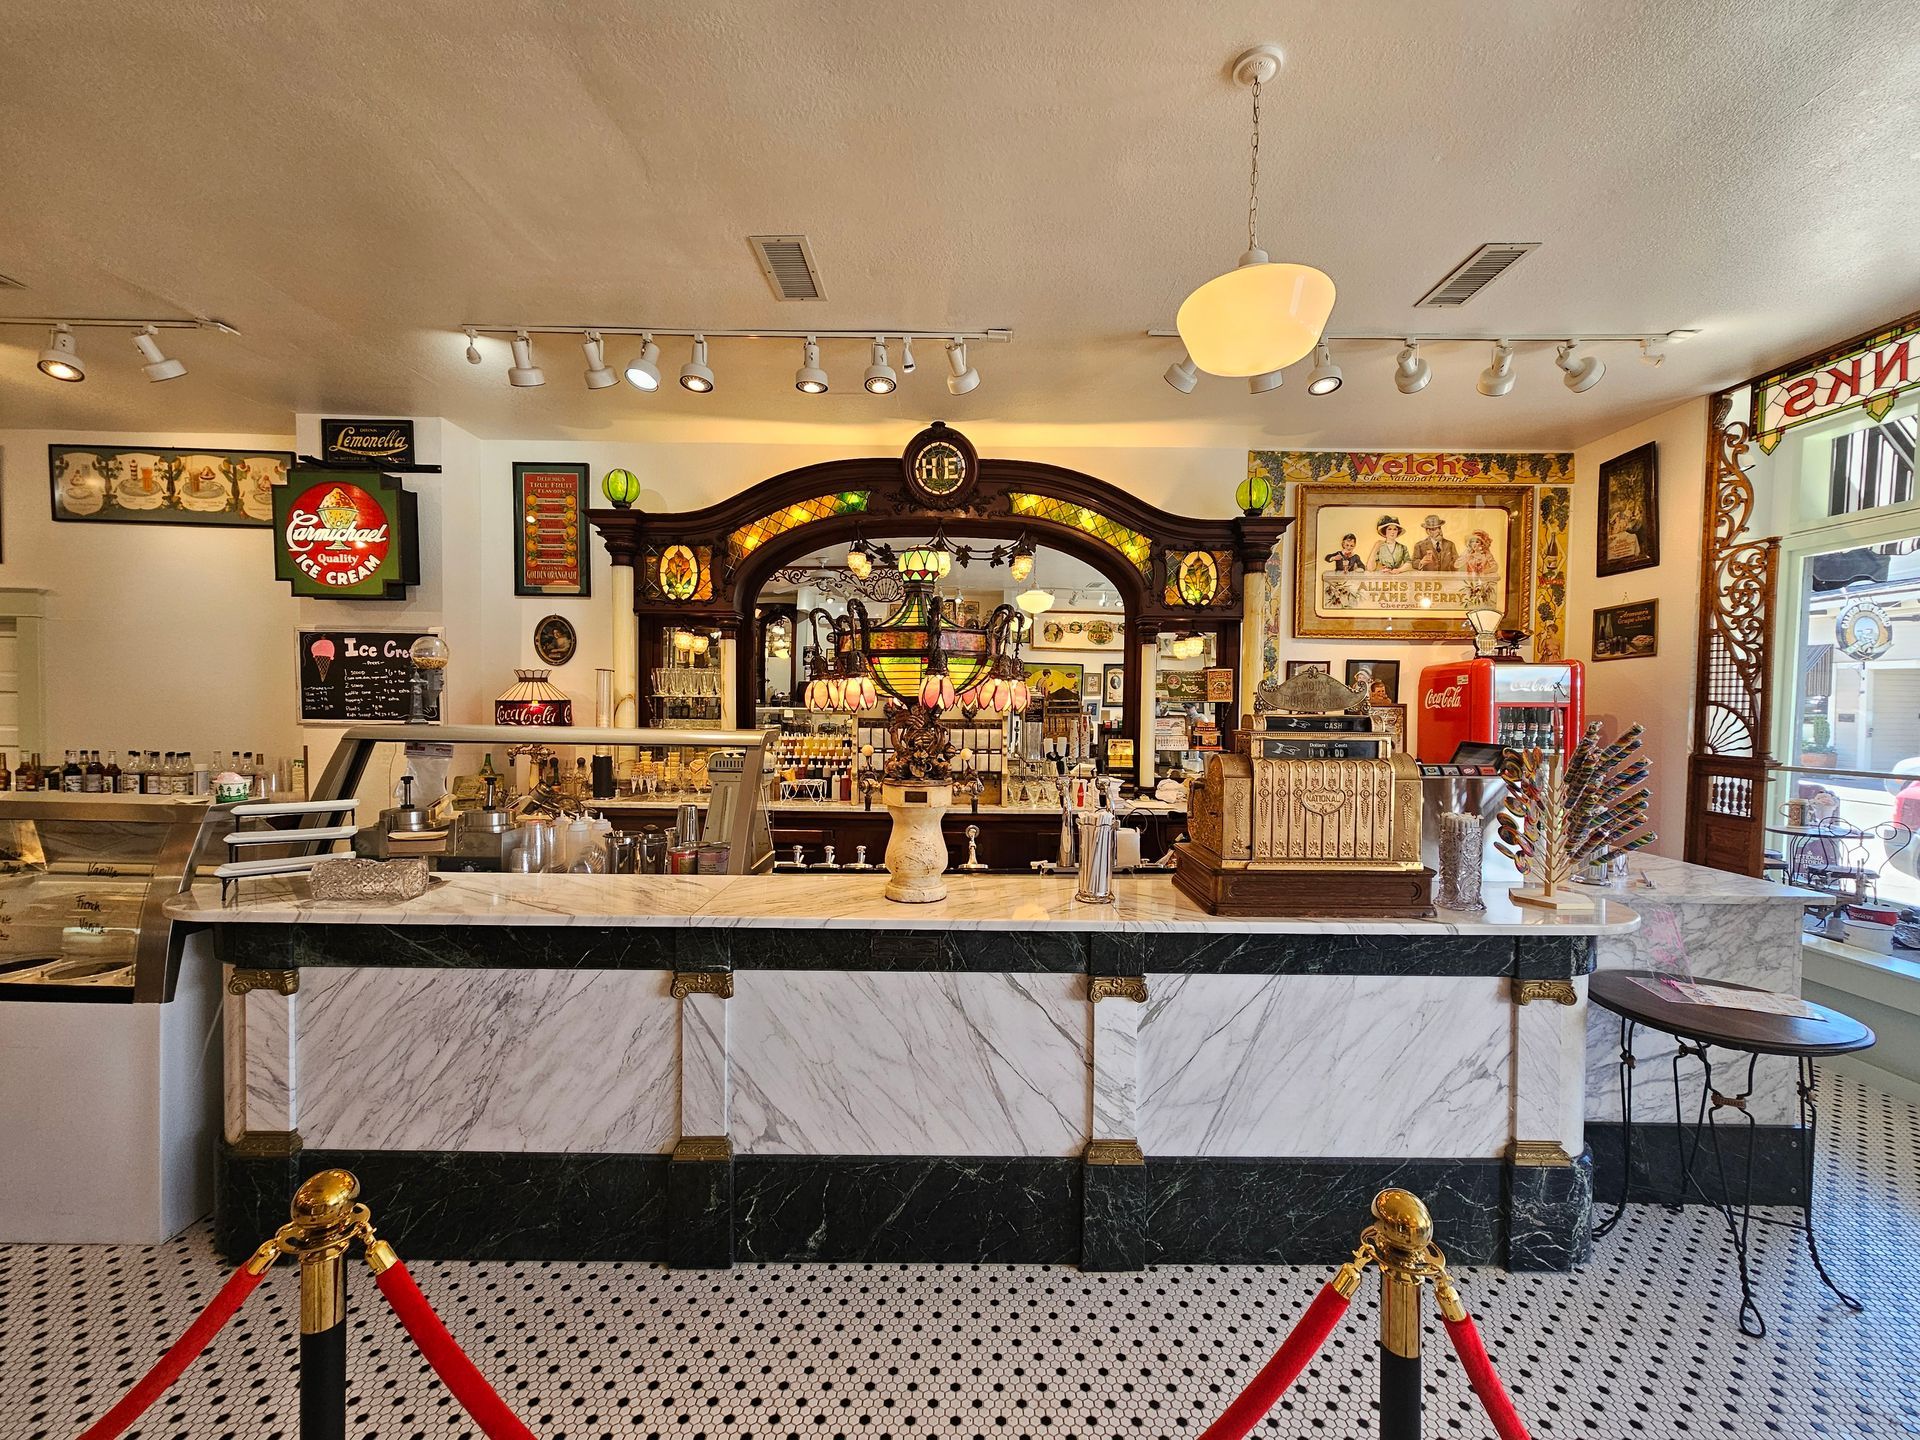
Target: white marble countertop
<point>1674,882</point>
<point>843,902</point>
<point>847,807</point>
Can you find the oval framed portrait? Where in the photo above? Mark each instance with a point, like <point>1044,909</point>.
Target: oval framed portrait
<point>554,640</point>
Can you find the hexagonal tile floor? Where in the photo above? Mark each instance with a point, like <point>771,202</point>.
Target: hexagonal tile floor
<point>1639,1345</point>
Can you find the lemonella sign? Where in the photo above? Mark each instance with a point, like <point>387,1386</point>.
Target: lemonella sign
<point>345,535</point>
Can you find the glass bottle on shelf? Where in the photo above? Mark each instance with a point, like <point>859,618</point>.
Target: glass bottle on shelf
<point>110,774</point>
<point>6,775</point>
<point>70,775</point>
<point>127,782</point>
<point>28,775</point>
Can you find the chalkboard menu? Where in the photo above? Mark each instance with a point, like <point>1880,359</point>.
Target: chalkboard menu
<point>351,676</point>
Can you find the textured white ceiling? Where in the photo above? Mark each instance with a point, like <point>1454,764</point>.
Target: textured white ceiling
<point>344,182</point>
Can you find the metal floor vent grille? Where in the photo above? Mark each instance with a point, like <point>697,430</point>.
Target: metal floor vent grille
<point>1475,273</point>
<point>787,262</point>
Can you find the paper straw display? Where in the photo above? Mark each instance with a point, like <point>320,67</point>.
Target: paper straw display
<point>1563,815</point>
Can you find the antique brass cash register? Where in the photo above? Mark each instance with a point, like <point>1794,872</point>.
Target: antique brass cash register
<point>1312,814</point>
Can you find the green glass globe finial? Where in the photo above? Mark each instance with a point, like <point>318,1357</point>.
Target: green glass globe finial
<point>621,487</point>
<point>1254,494</point>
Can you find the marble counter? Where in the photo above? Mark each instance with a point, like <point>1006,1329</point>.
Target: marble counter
<point>1036,903</point>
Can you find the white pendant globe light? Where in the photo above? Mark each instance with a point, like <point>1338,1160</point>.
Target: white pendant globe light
<point>1264,314</point>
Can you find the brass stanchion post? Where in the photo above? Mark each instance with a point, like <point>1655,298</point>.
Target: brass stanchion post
<point>1402,1238</point>
<point>325,1222</point>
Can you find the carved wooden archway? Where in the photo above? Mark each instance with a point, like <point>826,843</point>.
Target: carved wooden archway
<point>733,546</point>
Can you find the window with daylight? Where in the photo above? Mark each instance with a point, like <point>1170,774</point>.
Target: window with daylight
<point>1872,466</point>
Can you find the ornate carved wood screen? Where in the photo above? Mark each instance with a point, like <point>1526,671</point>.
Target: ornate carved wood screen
<point>1733,686</point>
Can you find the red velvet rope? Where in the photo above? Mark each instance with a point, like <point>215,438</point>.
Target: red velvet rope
<point>449,1361</point>
<point>1309,1333</point>
<point>183,1353</point>
<point>1465,1335</point>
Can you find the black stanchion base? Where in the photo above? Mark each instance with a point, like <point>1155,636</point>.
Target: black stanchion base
<point>323,1384</point>
<point>1399,1396</point>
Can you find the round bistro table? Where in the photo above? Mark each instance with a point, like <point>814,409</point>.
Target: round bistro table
<point>1699,1028</point>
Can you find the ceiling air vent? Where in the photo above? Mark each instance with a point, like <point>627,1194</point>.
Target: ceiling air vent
<point>1475,273</point>
<point>787,262</point>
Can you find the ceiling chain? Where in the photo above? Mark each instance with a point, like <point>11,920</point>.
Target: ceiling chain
<point>1253,183</point>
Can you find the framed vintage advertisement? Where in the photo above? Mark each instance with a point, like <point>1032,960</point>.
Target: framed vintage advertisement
<point>1300,667</point>
<point>552,554</point>
<point>1219,684</point>
<point>1408,564</point>
<point>1080,630</point>
<point>1629,526</point>
<point>1113,684</point>
<point>1626,632</point>
<point>129,485</point>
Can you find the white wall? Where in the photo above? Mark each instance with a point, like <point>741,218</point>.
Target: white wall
<point>1657,691</point>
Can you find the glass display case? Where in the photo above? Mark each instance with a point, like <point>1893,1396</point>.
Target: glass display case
<point>83,879</point>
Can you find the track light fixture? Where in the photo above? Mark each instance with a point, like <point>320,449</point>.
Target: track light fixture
<point>523,373</point>
<point>158,366</point>
<point>60,360</point>
<point>1579,375</point>
<point>1410,372</point>
<point>1326,376</point>
<point>964,378</point>
<point>906,355</point>
<point>1183,374</point>
<point>1261,384</point>
<point>694,375</point>
<point>810,379</point>
<point>643,371</point>
<point>473,346</point>
<point>1497,379</point>
<point>599,377</point>
<point>880,379</point>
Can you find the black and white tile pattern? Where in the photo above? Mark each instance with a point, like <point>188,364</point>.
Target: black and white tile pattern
<point>1640,1344</point>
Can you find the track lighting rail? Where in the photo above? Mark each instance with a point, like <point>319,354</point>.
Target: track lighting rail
<point>866,333</point>
<point>46,321</point>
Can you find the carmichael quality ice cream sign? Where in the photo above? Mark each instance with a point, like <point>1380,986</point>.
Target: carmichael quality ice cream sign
<point>345,535</point>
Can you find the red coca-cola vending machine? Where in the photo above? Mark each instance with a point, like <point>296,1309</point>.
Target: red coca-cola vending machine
<point>1500,702</point>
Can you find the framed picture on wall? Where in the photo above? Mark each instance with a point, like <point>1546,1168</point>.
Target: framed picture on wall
<point>1629,527</point>
<point>1408,564</point>
<point>1113,684</point>
<point>1300,667</point>
<point>1381,679</point>
<point>1626,632</point>
<point>129,485</point>
<point>1092,685</point>
<point>553,551</point>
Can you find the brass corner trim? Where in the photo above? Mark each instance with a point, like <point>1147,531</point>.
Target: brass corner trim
<point>1559,991</point>
<point>1539,1154</point>
<point>703,1147</point>
<point>267,1144</point>
<point>1117,987</point>
<point>703,982</point>
<point>245,978</point>
<point>1114,1152</point>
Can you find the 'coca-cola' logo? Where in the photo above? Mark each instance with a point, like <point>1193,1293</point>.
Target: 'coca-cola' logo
<point>1454,697</point>
<point>337,534</point>
<point>533,712</point>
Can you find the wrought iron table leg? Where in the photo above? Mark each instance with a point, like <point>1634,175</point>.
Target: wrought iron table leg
<point>1810,1128</point>
<point>1626,1129</point>
<point>1713,1102</point>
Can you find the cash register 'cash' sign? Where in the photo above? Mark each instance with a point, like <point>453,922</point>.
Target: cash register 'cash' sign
<point>337,534</point>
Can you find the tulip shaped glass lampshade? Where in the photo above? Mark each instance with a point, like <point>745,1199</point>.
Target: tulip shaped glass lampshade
<point>936,691</point>
<point>621,487</point>
<point>1020,566</point>
<point>925,562</point>
<point>1018,695</point>
<point>819,693</point>
<point>859,562</point>
<point>1259,317</point>
<point>860,693</point>
<point>1253,494</point>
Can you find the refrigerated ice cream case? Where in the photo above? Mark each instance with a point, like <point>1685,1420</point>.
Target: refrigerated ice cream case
<point>83,883</point>
<point>1499,702</point>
